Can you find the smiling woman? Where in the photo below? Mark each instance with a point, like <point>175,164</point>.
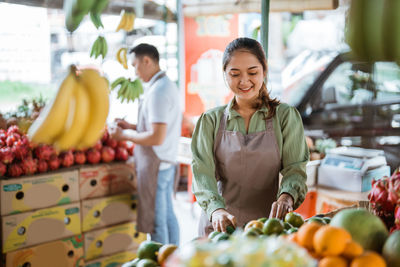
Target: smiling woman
<point>240,149</point>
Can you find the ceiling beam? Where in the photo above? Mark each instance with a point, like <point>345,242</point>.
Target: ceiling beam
<point>151,10</point>
<point>192,8</point>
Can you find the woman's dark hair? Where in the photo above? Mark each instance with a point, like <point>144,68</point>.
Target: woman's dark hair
<point>255,48</point>
<point>146,50</point>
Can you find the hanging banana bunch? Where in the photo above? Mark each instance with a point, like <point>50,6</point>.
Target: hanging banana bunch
<point>75,11</point>
<point>127,21</point>
<point>121,57</point>
<point>77,115</point>
<point>99,47</point>
<point>373,30</point>
<point>129,90</point>
<point>96,11</point>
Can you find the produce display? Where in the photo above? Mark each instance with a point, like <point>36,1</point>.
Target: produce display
<point>99,48</point>
<point>19,156</point>
<point>384,199</point>
<point>76,117</point>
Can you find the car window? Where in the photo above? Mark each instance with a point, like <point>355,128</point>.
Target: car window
<point>387,80</point>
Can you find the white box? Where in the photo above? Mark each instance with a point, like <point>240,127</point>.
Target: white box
<point>312,172</point>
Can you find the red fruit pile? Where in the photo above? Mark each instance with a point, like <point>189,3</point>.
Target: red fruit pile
<point>384,199</point>
<point>20,157</point>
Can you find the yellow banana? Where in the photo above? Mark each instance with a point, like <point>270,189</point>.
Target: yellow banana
<point>98,91</point>
<point>121,57</point>
<point>129,25</point>
<point>51,120</point>
<point>77,121</point>
<point>122,22</point>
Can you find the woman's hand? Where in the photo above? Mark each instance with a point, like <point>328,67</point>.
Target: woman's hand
<point>124,124</point>
<point>116,133</point>
<point>283,205</point>
<point>220,219</point>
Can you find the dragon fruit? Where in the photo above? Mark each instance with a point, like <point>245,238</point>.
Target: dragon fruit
<point>14,170</point>
<point>44,152</point>
<point>6,155</point>
<point>93,156</point>
<point>13,129</point>
<point>107,154</point>
<point>394,188</point>
<point>3,135</point>
<point>29,165</point>
<point>67,158</point>
<point>80,157</point>
<point>20,150</point>
<point>12,138</point>
<point>54,162</point>
<point>42,166</point>
<point>3,169</point>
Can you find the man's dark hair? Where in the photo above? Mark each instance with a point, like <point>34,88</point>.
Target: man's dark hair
<point>146,50</point>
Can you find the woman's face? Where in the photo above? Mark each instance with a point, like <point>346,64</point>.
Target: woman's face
<point>245,75</point>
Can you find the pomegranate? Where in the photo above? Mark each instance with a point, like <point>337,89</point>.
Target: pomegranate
<point>42,166</point>
<point>131,148</point>
<point>98,145</point>
<point>107,154</point>
<point>6,155</point>
<point>14,170</point>
<point>111,143</point>
<point>80,157</point>
<point>2,143</point>
<point>29,166</point>
<point>44,152</point>
<point>67,158</point>
<point>123,144</point>
<point>105,136</point>
<point>93,156</point>
<point>54,162</point>
<point>3,169</point>
<point>121,154</point>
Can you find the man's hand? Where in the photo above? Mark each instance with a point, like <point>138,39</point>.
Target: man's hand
<point>117,133</point>
<point>124,124</point>
<point>283,205</point>
<point>220,219</point>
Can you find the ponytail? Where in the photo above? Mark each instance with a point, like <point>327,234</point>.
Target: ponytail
<point>264,99</point>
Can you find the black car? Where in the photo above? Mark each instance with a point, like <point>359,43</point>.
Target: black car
<point>354,103</point>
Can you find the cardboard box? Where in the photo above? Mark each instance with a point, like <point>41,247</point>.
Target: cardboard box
<point>39,191</point>
<point>351,174</point>
<point>108,241</point>
<point>330,199</point>
<point>101,212</point>
<point>115,260</point>
<point>61,253</point>
<point>36,227</point>
<point>107,179</point>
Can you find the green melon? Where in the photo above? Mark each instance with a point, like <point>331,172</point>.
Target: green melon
<point>365,228</point>
<point>391,249</point>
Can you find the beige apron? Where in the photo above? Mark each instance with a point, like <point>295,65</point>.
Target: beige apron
<point>147,167</point>
<point>247,170</point>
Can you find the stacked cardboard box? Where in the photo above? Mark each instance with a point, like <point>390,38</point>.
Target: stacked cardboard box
<point>108,209</point>
<point>75,217</point>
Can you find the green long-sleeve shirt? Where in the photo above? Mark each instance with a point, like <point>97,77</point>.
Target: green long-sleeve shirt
<point>289,132</point>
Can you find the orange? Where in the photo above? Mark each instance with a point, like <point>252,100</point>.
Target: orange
<point>330,240</point>
<point>306,233</point>
<point>352,250</point>
<point>292,237</point>
<point>254,223</point>
<point>332,261</point>
<point>164,252</point>
<point>368,259</point>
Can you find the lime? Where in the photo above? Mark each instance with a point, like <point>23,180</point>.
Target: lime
<point>316,220</point>
<point>220,237</point>
<point>327,219</point>
<point>263,219</point>
<point>132,263</point>
<point>273,226</point>
<point>254,223</point>
<point>294,219</point>
<point>148,250</point>
<point>230,229</point>
<point>146,263</point>
<point>287,225</point>
<point>213,234</point>
<point>292,230</point>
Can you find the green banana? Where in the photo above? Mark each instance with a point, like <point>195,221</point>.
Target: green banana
<point>373,29</point>
<point>75,11</point>
<point>355,30</point>
<point>104,47</point>
<point>117,82</point>
<point>95,18</point>
<point>96,11</point>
